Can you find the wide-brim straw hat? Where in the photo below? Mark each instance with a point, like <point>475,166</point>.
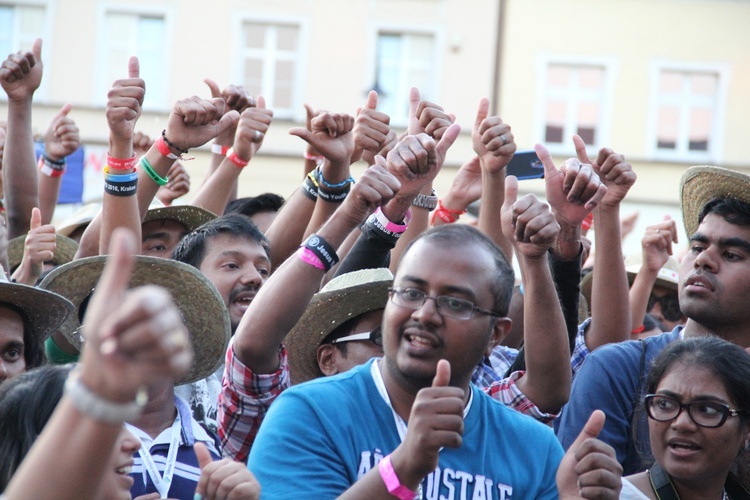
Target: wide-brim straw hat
<point>701,184</point>
<point>343,298</point>
<point>44,310</point>
<point>188,215</point>
<point>81,217</point>
<point>201,307</point>
<point>65,250</point>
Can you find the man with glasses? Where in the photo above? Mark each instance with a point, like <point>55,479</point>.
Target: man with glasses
<point>714,283</point>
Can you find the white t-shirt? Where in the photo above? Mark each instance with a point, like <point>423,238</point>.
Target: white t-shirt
<point>630,492</point>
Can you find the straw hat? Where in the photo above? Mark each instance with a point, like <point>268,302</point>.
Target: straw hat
<point>65,250</point>
<point>701,184</point>
<point>201,307</point>
<point>343,298</point>
<point>188,215</point>
<point>81,217</point>
<point>45,310</point>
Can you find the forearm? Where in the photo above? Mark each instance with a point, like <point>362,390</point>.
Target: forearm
<point>493,196</point>
<point>215,193</point>
<point>147,187</point>
<point>49,191</point>
<point>548,375</point>
<point>25,275</point>
<point>639,295</point>
<point>19,169</point>
<point>368,252</point>
<point>566,275</point>
<point>287,229</point>
<point>395,211</point>
<point>119,211</point>
<point>610,307</point>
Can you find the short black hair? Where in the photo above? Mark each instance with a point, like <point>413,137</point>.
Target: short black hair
<point>266,202</point>
<point>192,248</point>
<point>463,234</point>
<point>732,210</point>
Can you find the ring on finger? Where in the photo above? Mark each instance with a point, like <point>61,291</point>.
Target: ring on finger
<point>257,136</point>
<point>502,138</point>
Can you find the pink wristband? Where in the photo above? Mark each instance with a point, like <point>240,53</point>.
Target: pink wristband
<point>308,257</point>
<point>391,481</point>
<point>392,226</point>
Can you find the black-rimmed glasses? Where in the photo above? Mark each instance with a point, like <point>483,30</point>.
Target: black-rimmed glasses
<point>414,298</point>
<point>663,408</point>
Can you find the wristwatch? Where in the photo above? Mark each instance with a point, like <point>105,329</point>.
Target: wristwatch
<point>425,201</point>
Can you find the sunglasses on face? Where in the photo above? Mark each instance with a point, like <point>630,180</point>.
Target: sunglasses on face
<point>709,414</point>
<point>375,336</point>
<point>670,306</point>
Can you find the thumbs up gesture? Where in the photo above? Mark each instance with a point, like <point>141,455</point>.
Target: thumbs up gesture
<point>38,248</point>
<point>124,102</point>
<point>436,421</point>
<point>225,479</point>
<point>528,223</point>
<point>370,128</point>
<point>492,139</point>
<point>61,138</point>
<point>590,469</point>
<point>21,73</point>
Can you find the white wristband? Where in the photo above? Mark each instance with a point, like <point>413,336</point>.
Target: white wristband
<point>98,408</point>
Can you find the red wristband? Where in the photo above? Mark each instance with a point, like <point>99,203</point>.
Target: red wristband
<point>446,214</point>
<point>236,159</point>
<point>638,330</point>
<point>120,163</point>
<point>164,149</point>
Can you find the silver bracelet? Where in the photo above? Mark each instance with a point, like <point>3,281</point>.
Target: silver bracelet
<point>97,408</point>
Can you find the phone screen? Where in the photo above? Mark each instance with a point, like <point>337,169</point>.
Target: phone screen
<point>525,165</point>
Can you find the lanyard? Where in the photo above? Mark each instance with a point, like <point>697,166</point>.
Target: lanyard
<point>163,483</point>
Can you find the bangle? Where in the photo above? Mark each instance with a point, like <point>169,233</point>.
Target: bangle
<point>171,144</point>
<point>425,201</point>
<point>323,182</point>
<point>161,181</point>
<point>391,226</point>
<point>133,176</point>
<point>333,196</point>
<point>218,149</point>
<point>162,147</point>
<point>102,410</point>
<point>638,330</point>
<point>310,189</point>
<point>322,250</point>
<point>306,255</point>
<point>392,482</point>
<point>51,169</point>
<point>120,163</point>
<point>240,162</point>
<point>446,214</point>
<point>120,188</point>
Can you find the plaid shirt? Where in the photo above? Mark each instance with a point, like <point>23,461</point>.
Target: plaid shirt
<point>580,350</point>
<point>244,401</point>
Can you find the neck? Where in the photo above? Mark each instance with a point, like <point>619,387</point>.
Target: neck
<point>736,334</point>
<point>160,411</point>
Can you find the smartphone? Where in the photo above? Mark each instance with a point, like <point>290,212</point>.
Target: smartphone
<point>525,165</point>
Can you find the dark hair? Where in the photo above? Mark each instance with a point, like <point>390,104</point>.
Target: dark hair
<point>33,347</point>
<point>733,211</point>
<point>463,235</point>
<point>192,248</point>
<point>26,404</point>
<point>729,362</point>
<point>340,331</point>
<point>266,202</point>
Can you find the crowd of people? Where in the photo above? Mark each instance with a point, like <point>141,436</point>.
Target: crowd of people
<point>361,338</point>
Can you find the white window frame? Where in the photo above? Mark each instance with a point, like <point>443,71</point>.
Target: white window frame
<point>297,111</point>
<point>47,35</point>
<point>438,35</point>
<point>603,127</point>
<point>102,85</point>
<point>716,133</point>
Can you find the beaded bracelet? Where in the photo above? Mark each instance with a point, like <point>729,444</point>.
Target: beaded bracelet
<point>171,144</point>
<point>162,147</point>
<point>161,181</point>
<point>323,182</point>
<point>97,408</point>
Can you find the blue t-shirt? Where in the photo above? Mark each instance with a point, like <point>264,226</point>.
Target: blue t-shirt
<point>320,437</point>
<point>611,380</point>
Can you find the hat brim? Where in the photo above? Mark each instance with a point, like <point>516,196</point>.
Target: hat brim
<point>701,184</point>
<point>65,251</point>
<point>46,311</point>
<point>190,216</point>
<point>201,307</point>
<point>327,311</point>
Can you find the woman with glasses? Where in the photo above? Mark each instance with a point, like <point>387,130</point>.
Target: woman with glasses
<point>698,404</point>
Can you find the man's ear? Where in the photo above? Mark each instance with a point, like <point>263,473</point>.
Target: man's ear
<point>326,356</point>
<point>500,329</point>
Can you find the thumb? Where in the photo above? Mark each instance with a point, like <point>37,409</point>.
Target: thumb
<point>592,429</point>
<point>442,374</point>
<point>36,49</point>
<point>36,218</point>
<point>202,454</point>
<point>484,108</point>
<point>63,112</point>
<point>215,90</point>
<point>550,170</point>
<point>302,133</point>
<point>229,119</point>
<point>372,100</point>
<point>413,102</point>
<point>134,67</point>
<point>260,102</point>
<point>449,137</point>
<point>583,156</point>
<point>511,191</point>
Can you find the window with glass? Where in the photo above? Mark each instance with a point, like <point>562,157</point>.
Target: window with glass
<point>20,25</point>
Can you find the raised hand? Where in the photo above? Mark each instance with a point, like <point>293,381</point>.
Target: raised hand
<point>590,469</point>
<point>141,143</point>
<point>527,222</point>
<point>374,188</point>
<point>612,169</point>
<point>21,73</point>
<point>331,136</point>
<point>178,185</point>
<point>235,96</point>
<point>426,117</point>
<point>436,421</point>
<point>656,244</point>
<point>124,105</point>
<point>572,191</point>
<point>371,128</point>
<point>251,130</point>
<point>140,340</point>
<point>195,121</point>
<point>224,479</point>
<point>61,138</point>
<point>492,139</point>
<point>38,248</point>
